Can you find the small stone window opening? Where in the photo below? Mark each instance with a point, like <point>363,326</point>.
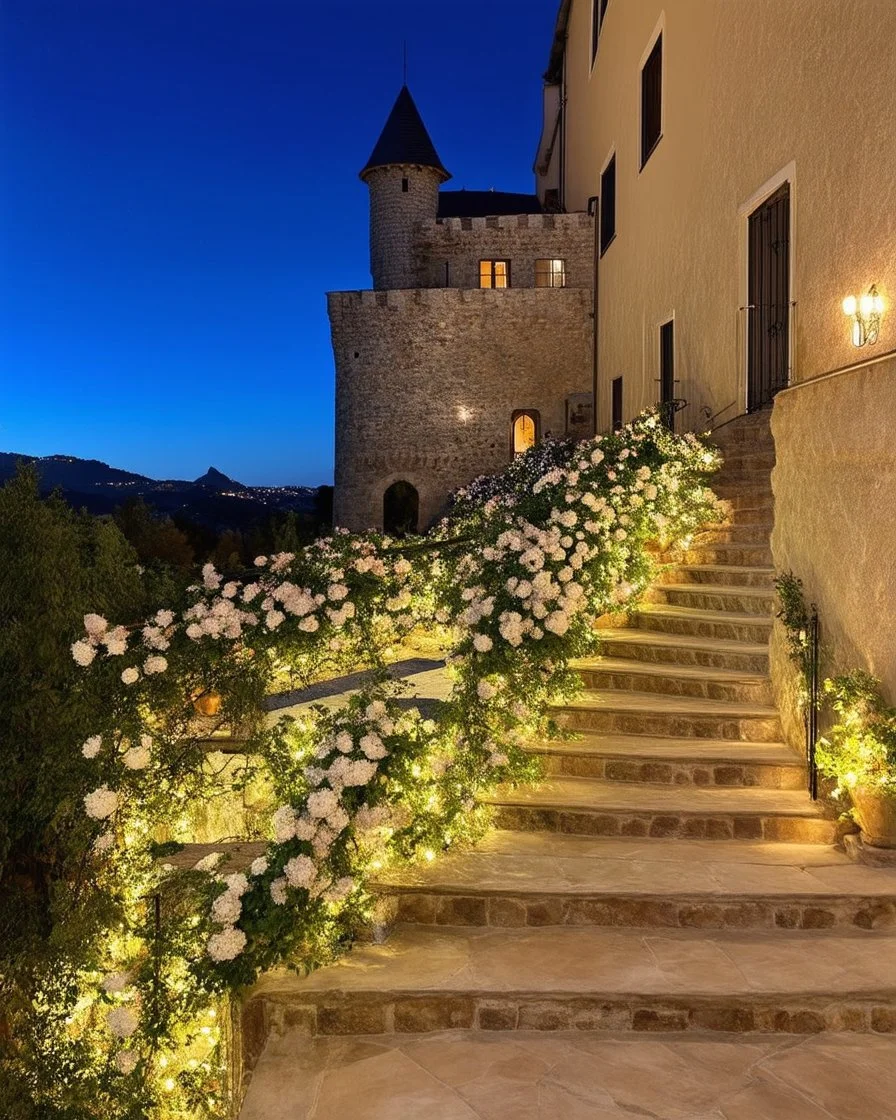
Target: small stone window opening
<point>524,430</point>
<point>550,273</point>
<point>494,274</point>
<point>404,185</point>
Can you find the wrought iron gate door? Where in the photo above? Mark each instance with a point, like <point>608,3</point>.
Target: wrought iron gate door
<point>768,322</point>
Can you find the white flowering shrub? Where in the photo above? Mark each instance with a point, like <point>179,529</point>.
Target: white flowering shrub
<point>515,575</point>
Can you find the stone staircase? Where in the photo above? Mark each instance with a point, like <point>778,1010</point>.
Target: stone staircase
<point>670,873</point>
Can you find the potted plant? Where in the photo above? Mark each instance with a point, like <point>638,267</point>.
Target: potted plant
<point>859,751</point>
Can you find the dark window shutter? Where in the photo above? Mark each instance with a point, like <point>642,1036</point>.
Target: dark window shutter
<point>607,205</point>
<point>652,101</point>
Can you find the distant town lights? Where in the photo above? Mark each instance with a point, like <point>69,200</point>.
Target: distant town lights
<point>865,313</point>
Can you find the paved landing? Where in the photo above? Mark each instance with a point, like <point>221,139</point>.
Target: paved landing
<point>593,960</point>
<point>550,863</point>
<point>462,1075</point>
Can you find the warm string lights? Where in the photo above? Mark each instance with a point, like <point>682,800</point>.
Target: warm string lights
<point>557,538</point>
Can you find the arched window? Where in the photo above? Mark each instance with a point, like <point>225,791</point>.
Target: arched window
<point>524,430</point>
<point>401,509</point>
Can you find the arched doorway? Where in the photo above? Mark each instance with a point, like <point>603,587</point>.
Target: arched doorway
<point>401,509</point>
<point>523,430</point>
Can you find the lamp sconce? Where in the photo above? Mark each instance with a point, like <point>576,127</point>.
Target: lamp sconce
<point>865,313</point>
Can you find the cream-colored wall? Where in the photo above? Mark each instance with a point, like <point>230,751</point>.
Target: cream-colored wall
<point>835,511</point>
<point>751,87</point>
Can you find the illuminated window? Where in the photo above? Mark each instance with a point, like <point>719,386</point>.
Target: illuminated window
<point>550,273</point>
<point>523,431</point>
<point>494,274</point>
<point>652,101</point>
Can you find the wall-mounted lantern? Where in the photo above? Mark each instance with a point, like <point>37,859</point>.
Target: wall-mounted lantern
<point>865,313</point>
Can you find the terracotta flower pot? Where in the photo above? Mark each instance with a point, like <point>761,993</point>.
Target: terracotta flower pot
<point>876,815</point>
<point>207,703</point>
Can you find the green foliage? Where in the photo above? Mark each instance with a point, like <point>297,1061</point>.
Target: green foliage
<point>55,565</point>
<point>796,616</point>
<point>860,748</point>
<point>124,1025</point>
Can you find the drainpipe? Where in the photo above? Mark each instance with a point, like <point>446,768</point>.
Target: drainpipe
<point>594,211</point>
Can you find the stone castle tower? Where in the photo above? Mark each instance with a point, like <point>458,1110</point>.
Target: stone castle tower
<point>403,175</point>
<point>474,342</point>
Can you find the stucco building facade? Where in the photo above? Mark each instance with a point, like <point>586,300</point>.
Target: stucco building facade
<point>743,155</point>
<point>716,176</point>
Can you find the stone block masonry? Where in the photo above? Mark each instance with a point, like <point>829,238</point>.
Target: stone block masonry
<point>448,250</point>
<point>427,381</point>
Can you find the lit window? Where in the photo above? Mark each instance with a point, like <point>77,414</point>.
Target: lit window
<point>550,273</point>
<point>524,431</point>
<point>652,101</point>
<point>494,274</point>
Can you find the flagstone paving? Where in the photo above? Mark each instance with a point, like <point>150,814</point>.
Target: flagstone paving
<point>661,927</point>
<point>464,1075</point>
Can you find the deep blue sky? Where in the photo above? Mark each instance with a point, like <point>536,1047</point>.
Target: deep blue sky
<point>179,188</point>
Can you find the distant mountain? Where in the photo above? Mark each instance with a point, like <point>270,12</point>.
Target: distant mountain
<point>213,479</point>
<point>212,500</point>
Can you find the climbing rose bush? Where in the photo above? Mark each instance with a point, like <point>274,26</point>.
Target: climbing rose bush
<point>512,578</point>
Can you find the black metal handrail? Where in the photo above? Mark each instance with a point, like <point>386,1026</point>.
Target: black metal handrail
<point>814,703</point>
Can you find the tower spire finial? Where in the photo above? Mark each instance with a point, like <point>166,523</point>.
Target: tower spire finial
<point>405,64</point>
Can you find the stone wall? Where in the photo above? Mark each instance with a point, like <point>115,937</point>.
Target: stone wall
<point>460,243</point>
<point>834,484</point>
<point>394,216</point>
<point>427,380</point>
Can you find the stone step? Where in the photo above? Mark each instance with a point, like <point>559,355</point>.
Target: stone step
<point>647,713</point>
<point>728,575</point>
<point>743,498</point>
<point>587,807</point>
<point>670,761</point>
<point>748,555</point>
<point>730,626</point>
<point>654,647</point>
<point>428,979</point>
<point>621,674</point>
<point>734,534</point>
<point>571,880</point>
<point>743,473</point>
<point>748,493</point>
<point>728,599</point>
<point>749,457</point>
<point>574,1075</point>
<point>753,512</point>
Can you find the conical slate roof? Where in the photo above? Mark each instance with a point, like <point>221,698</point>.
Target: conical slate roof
<point>404,139</point>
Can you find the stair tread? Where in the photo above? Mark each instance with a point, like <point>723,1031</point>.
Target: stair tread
<point>683,641</point>
<point>745,568</point>
<point>668,669</point>
<point>695,868</point>
<point>593,699</point>
<point>717,589</point>
<point>700,614</point>
<point>726,751</point>
<point>599,796</point>
<point>591,959</point>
